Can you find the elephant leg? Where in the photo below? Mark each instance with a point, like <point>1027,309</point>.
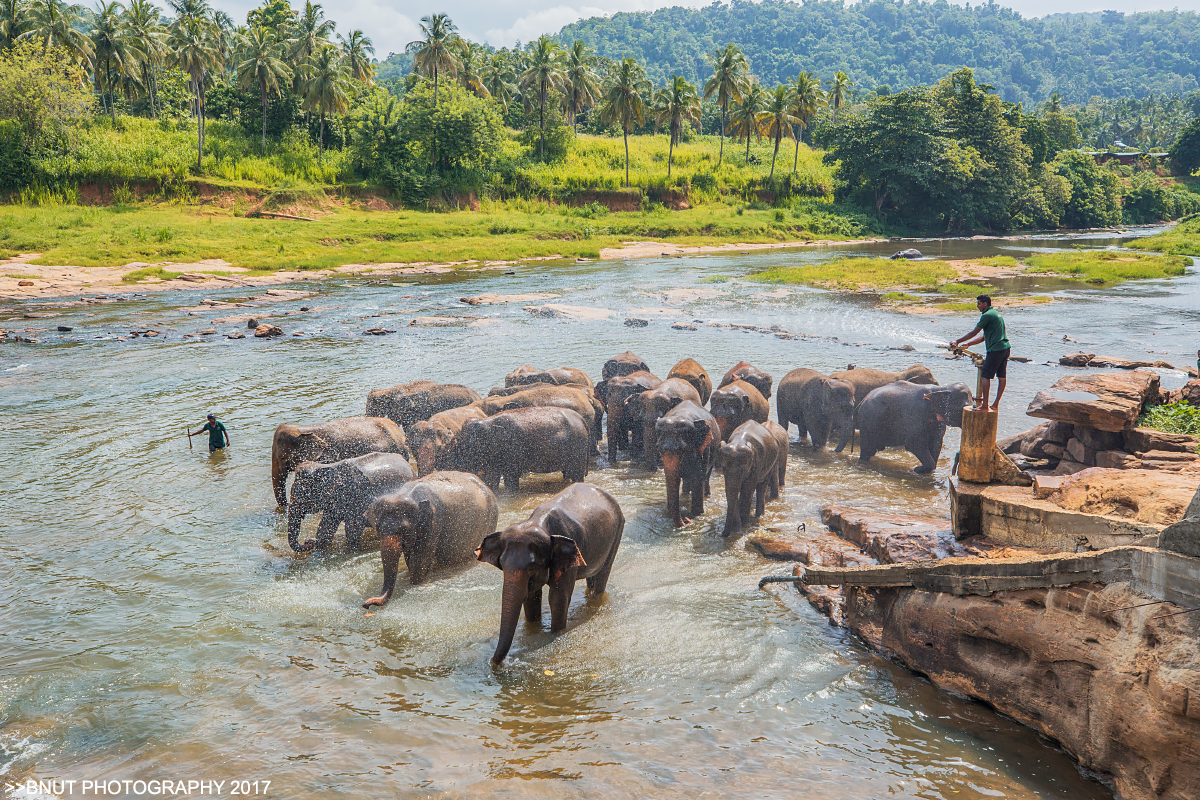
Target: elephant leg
<point>512,481</point>
<point>928,461</point>
<point>354,531</point>
<point>866,449</point>
<point>772,485</point>
<point>698,492</point>
<point>745,501</point>
<point>733,501</point>
<point>389,553</point>
<point>533,607</point>
<point>598,583</point>
<point>671,471</point>
<point>760,497</point>
<point>325,531</point>
<point>801,428</point>
<point>560,599</point>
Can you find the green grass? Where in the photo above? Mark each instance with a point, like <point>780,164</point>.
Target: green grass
<point>1181,240</point>
<point>715,279</point>
<point>996,261</point>
<point>956,306</point>
<point>510,230</point>
<point>965,289</point>
<point>1172,418</point>
<point>901,297</point>
<point>1105,266</point>
<point>149,272</point>
<point>20,276</point>
<point>854,273</point>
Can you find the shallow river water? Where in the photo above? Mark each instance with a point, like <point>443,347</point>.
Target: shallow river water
<point>156,626</point>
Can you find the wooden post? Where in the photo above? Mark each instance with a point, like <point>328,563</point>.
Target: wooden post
<point>978,445</point>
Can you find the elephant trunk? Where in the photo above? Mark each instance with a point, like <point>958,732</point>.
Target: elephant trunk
<point>847,425</point>
<point>425,458</point>
<point>295,517</point>
<point>279,473</point>
<point>516,586</point>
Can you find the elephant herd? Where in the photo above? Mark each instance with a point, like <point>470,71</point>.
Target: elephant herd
<point>357,470</point>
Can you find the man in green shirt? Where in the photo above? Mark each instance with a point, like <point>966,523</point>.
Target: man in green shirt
<point>995,364</point>
<point>218,437</point>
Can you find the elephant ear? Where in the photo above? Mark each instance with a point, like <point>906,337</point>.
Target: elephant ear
<point>564,554</point>
<point>490,549</point>
<point>424,514</point>
<point>933,407</point>
<point>703,433</point>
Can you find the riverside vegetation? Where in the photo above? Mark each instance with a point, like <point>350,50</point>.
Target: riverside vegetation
<point>521,152</point>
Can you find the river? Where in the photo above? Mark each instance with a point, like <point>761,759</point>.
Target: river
<point>155,625</point>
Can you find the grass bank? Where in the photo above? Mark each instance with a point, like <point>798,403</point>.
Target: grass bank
<point>1181,240</point>
<point>1107,267</point>
<point>100,236</point>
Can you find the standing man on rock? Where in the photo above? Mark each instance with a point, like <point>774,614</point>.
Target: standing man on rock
<point>991,332</point>
<point>218,437</point>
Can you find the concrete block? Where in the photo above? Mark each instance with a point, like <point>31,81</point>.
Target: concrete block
<point>1046,485</point>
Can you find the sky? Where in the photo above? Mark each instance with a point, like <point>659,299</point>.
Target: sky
<point>391,24</point>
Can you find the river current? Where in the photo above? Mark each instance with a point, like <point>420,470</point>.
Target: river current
<point>154,624</point>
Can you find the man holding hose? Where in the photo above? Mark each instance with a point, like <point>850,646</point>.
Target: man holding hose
<point>218,437</point>
<point>995,364</point>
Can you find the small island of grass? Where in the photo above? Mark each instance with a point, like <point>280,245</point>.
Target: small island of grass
<point>1108,266</point>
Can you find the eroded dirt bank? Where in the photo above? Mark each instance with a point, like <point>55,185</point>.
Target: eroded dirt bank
<point>1119,689</point>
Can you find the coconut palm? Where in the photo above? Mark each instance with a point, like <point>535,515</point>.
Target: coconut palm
<point>746,115</point>
<point>357,50</point>
<point>777,120</point>
<point>674,105</point>
<point>730,78</point>
<point>14,20</point>
<point>195,48</point>
<point>839,91</point>
<point>806,100</point>
<point>115,50</point>
<point>582,83</point>
<point>624,101</point>
<point>54,23</point>
<point>312,32</point>
<point>434,54</point>
<point>144,23</point>
<point>545,72</point>
<point>498,79</point>
<point>471,67</point>
<point>326,80</point>
<point>260,67</point>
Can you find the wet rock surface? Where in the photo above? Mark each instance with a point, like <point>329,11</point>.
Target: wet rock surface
<point>1107,402</point>
<point>893,538</point>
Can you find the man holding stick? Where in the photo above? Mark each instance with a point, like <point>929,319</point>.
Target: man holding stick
<point>995,364</point>
<point>218,437</point>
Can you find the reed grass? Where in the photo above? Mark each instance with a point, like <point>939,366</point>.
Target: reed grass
<point>855,273</point>
<point>1108,266</point>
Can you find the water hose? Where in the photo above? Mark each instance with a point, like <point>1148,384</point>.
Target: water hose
<point>780,579</point>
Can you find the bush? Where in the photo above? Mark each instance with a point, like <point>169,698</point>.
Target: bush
<point>1093,201</point>
<point>1150,200</point>
<point>1172,418</point>
<point>16,169</point>
<point>1185,152</point>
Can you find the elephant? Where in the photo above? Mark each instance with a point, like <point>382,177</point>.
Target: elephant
<point>690,370</point>
<point>434,441</point>
<point>434,521</point>
<point>573,397</point>
<point>752,375</point>
<point>413,402</point>
<point>910,415</point>
<point>622,424</point>
<point>526,375</point>
<point>736,403</point>
<point>327,442</point>
<point>868,380</point>
<point>342,492</point>
<point>625,364</point>
<point>687,442</point>
<point>816,404</point>
<point>750,462</point>
<point>524,440</point>
<point>781,440</point>
<point>647,407</point>
<point>573,535</point>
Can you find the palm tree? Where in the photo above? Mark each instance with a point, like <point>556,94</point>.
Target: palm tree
<point>729,81</point>
<point>674,105</point>
<point>14,20</point>
<point>260,67</point>
<point>358,49</point>
<point>144,24</point>
<point>1054,104</point>
<point>545,72</point>
<point>582,83</point>
<point>434,55</point>
<point>839,90</point>
<point>325,82</point>
<point>53,22</point>
<point>746,115</point>
<point>312,31</point>
<point>195,48</point>
<point>113,47</point>
<point>470,66</point>
<point>777,121</point>
<point>624,103</point>
<point>498,79</point>
<point>806,100</point>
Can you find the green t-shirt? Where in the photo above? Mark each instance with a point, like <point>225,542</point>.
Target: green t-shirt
<point>216,433</point>
<point>992,325</point>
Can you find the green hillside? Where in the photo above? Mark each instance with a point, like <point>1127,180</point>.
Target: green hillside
<point>900,45</point>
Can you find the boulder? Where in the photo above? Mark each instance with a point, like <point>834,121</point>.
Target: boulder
<point>1117,459</point>
<point>251,322</point>
<point>1098,440</point>
<point>559,311</point>
<point>1142,440</point>
<point>65,329</point>
<point>266,331</point>
<point>1046,485</point>
<point>1034,442</point>
<point>377,332</point>
<point>1147,496</point>
<point>1190,393</point>
<point>208,332</point>
<point>892,538</point>
<point>1081,453</point>
<point>1170,461</point>
<point>501,299</point>
<point>1107,402</point>
<point>1076,359</point>
<point>683,326</point>
<point>24,283</point>
<point>636,322</point>
<point>1124,363</point>
<point>235,336</point>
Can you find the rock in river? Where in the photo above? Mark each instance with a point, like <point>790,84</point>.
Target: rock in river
<point>1108,402</point>
<point>266,331</point>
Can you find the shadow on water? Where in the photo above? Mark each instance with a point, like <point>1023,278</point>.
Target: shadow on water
<point>157,623</point>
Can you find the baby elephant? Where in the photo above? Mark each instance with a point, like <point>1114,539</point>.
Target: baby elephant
<point>513,443</point>
<point>342,492</point>
<point>435,521</point>
<point>913,416</point>
<point>573,535</point>
<point>817,405</point>
<point>687,440</point>
<point>750,460</point>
